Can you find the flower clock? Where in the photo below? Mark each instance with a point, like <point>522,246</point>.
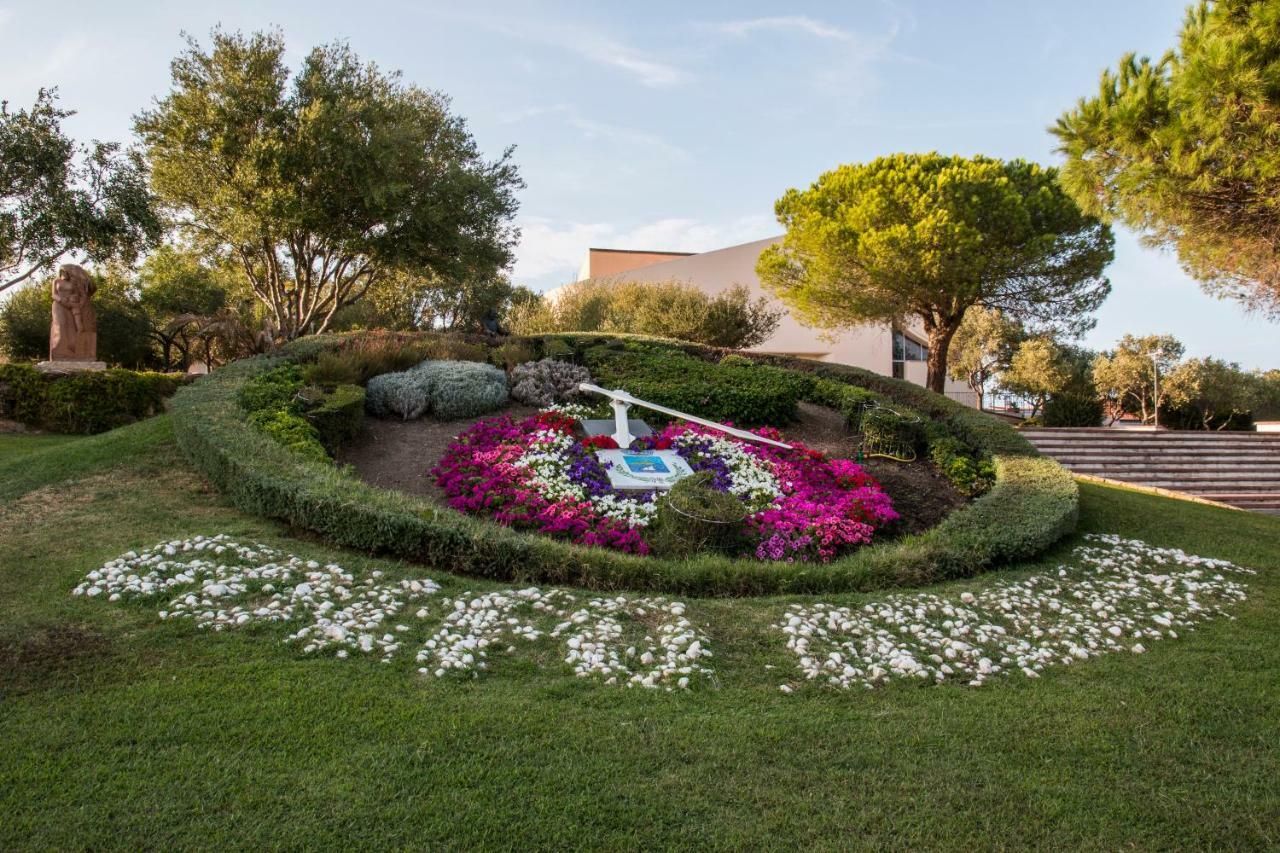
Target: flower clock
<point>538,474</point>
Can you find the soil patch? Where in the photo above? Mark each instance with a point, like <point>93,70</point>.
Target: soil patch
<point>399,455</point>
<point>42,651</point>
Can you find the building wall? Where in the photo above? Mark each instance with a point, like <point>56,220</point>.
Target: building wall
<point>869,347</point>
<point>601,263</point>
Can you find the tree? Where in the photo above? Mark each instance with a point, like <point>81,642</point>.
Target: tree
<point>1040,368</point>
<point>1126,377</point>
<point>672,309</point>
<point>1182,149</point>
<point>1212,389</point>
<point>176,289</point>
<point>58,197</point>
<point>983,347</point>
<point>930,236</point>
<point>320,187</point>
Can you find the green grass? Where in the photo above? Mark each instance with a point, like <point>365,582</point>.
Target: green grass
<point>122,732</point>
<point>13,446</point>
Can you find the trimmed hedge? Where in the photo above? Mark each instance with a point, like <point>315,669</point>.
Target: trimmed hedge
<point>339,417</point>
<point>85,402</point>
<point>1033,503</point>
<point>742,394</point>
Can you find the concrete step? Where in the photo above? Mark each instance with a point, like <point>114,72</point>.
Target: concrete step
<point>1159,447</point>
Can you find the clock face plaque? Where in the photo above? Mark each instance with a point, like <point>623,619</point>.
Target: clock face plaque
<point>643,470</point>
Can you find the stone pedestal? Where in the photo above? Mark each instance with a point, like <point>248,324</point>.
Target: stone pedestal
<point>70,366</point>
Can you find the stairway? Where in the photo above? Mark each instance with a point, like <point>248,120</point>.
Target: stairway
<point>1237,468</point>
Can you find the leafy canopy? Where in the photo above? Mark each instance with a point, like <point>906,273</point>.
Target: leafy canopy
<point>1126,377</point>
<point>670,309</point>
<point>983,347</point>
<point>929,236</point>
<point>58,197</point>
<point>320,185</point>
<point>1183,149</point>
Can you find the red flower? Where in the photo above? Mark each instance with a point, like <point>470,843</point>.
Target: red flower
<point>600,442</point>
<point>663,443</point>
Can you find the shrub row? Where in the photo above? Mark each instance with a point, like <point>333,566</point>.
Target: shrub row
<point>743,394</point>
<point>83,403</point>
<point>1033,503</point>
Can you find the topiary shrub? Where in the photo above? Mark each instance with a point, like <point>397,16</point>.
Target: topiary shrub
<point>338,417</point>
<point>291,431</point>
<point>694,518</point>
<point>83,403</point>
<point>509,354</point>
<point>968,473</point>
<point>735,360</point>
<point>541,383</point>
<point>403,395</point>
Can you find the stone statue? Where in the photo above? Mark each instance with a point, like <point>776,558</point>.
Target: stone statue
<point>73,335</point>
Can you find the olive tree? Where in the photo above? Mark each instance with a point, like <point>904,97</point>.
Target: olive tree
<point>321,184</point>
<point>58,197</point>
<point>1126,377</point>
<point>928,236</point>
<point>982,348</point>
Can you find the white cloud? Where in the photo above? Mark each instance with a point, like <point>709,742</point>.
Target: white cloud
<point>796,23</point>
<point>588,43</point>
<point>605,51</point>
<point>603,131</point>
<point>551,251</point>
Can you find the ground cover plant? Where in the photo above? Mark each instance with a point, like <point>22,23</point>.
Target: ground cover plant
<point>123,728</point>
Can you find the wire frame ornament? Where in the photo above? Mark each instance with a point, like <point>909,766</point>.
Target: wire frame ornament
<point>886,433</point>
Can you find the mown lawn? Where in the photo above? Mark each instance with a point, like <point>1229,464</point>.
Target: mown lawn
<point>120,731</point>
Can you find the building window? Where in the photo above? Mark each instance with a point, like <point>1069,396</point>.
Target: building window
<point>906,349</point>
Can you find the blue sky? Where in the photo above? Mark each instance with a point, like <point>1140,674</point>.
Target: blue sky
<point>675,125</point>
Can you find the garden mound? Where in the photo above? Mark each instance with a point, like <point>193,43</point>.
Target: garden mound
<point>1026,502</point>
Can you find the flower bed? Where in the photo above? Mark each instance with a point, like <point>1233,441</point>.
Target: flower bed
<point>537,474</point>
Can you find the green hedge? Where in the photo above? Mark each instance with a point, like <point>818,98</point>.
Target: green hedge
<point>745,394</point>
<point>85,402</point>
<point>1032,504</point>
<point>339,416</point>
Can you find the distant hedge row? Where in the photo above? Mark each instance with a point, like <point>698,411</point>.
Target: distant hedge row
<point>1032,504</point>
<point>86,402</point>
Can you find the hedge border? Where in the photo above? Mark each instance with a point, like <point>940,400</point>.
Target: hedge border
<point>1033,503</point>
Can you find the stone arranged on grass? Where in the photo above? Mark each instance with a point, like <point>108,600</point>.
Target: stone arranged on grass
<point>602,637</point>
<point>1120,595</point>
<point>219,584</point>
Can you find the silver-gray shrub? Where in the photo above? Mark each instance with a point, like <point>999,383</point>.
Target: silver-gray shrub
<point>463,389</point>
<point>541,383</point>
<point>444,389</point>
<point>403,395</point>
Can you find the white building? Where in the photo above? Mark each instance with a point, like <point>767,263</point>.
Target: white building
<point>887,350</point>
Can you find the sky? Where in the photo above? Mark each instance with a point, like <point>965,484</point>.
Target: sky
<point>676,125</point>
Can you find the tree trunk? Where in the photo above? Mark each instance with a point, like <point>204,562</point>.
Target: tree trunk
<point>940,336</point>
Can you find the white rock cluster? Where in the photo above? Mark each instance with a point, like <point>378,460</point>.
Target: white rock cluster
<point>1116,595</point>
<point>341,612</point>
<point>596,636</point>
<point>221,584</point>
